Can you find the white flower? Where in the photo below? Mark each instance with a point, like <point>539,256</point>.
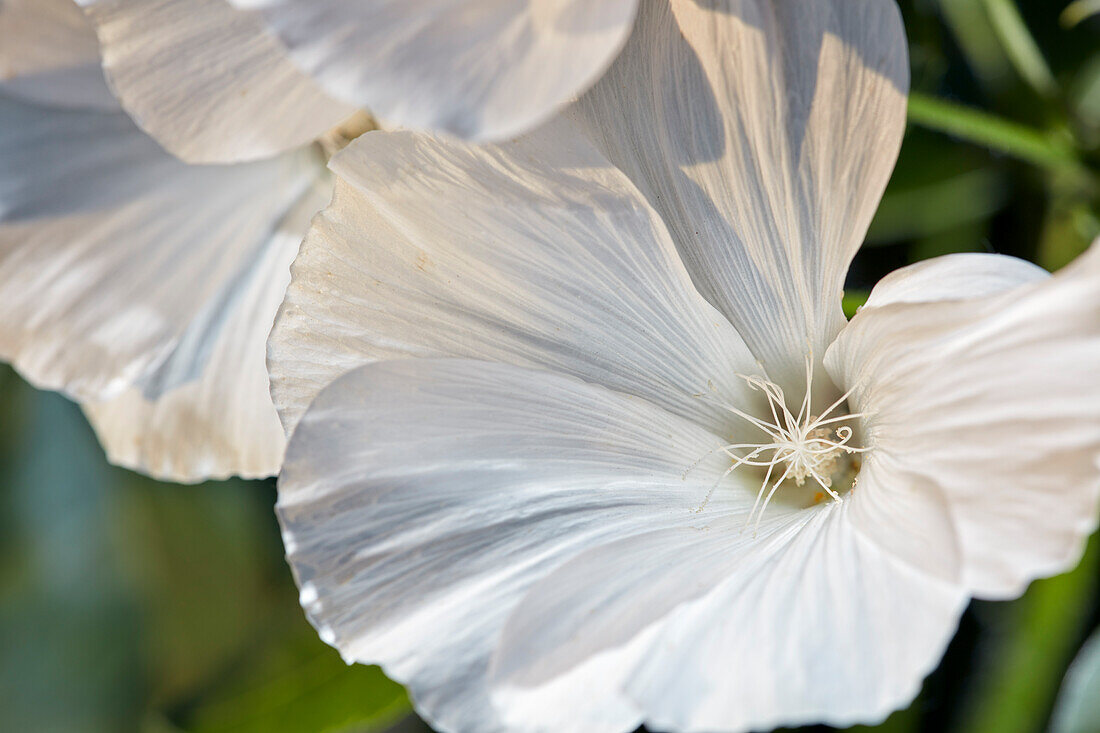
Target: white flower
<point>533,523</point>
<point>206,80</point>
<point>139,285</point>
<point>221,80</point>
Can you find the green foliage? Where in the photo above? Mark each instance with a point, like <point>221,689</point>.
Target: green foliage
<point>130,605</point>
<point>291,686</point>
<point>69,660</point>
<point>853,301</point>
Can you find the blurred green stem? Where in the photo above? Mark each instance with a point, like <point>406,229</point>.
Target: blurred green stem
<point>1078,11</point>
<point>1011,138</point>
<point>970,24</point>
<point>1020,46</point>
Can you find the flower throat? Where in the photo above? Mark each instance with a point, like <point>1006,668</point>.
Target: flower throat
<point>793,447</point>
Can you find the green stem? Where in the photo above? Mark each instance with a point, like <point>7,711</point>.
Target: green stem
<point>1078,11</point>
<point>981,128</point>
<point>973,31</point>
<point>1020,46</point>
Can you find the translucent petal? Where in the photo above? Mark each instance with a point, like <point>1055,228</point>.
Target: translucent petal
<point>535,253</point>
<point>207,81</point>
<point>49,54</point>
<point>221,422</point>
<point>121,267</point>
<point>764,132</point>
<point>908,516</point>
<point>954,277</point>
<point>477,69</point>
<point>803,622</point>
<point>990,402</point>
<point>421,498</point>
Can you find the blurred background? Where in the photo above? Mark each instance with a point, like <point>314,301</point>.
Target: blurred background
<point>128,605</point>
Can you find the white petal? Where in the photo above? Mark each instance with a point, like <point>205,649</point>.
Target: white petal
<point>569,645</point>
<point>804,622</point>
<point>481,71</point>
<point>421,498</point>
<point>1078,707</point>
<point>221,422</point>
<point>207,81</point>
<point>764,131</point>
<point>908,516</point>
<point>954,277</point>
<point>49,54</point>
<point>904,513</point>
<point>535,253</point>
<point>993,403</point>
<point>110,248</point>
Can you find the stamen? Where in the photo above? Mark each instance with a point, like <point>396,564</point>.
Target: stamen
<point>767,500</point>
<point>810,445</point>
<point>804,410</point>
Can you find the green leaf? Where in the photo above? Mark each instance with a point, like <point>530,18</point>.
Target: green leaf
<point>299,685</point>
<point>853,301</point>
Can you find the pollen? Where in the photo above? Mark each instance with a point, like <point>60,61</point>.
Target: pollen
<point>797,447</point>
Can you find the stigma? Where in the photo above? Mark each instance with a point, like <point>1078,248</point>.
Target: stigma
<point>803,447</point>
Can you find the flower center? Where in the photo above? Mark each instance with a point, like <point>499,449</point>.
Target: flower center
<point>794,447</point>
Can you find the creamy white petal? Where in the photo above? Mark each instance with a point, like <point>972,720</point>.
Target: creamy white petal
<point>570,644</point>
<point>764,131</point>
<point>207,81</point>
<point>220,422</point>
<point>992,404</point>
<point>954,277</point>
<point>536,253</point>
<point>49,54</point>
<point>804,622</point>
<point>908,516</point>
<point>421,498</point>
<point>110,248</point>
<point>480,70</point>
<point>906,513</point>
